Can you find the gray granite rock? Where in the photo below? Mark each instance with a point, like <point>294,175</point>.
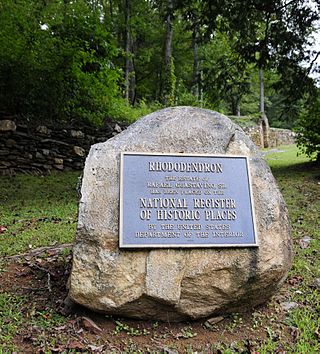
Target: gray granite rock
<point>7,125</point>
<point>79,151</point>
<point>175,284</point>
<point>316,284</point>
<point>289,305</point>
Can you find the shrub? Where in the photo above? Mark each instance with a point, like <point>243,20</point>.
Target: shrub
<point>308,130</point>
<point>56,61</point>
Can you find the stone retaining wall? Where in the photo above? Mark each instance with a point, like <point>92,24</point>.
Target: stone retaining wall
<point>42,149</point>
<point>276,137</point>
<point>279,137</point>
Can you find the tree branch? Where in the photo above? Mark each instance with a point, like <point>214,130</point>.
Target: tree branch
<point>312,63</point>
<point>40,250</point>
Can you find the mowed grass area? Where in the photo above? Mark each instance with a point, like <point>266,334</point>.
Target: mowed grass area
<point>42,211</point>
<point>299,182</point>
<point>37,211</point>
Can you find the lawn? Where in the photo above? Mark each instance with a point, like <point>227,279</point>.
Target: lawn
<point>42,211</point>
<point>37,211</point>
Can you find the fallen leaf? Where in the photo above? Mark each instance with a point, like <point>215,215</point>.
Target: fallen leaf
<point>94,348</point>
<point>295,280</point>
<point>58,349</point>
<point>214,320</point>
<point>89,325</point>
<point>294,332</point>
<point>74,344</point>
<point>3,229</point>
<point>305,242</point>
<point>289,305</point>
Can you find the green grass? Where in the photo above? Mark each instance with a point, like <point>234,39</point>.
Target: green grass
<point>284,156</point>
<point>10,320</point>
<point>299,182</point>
<point>37,211</point>
<point>246,121</point>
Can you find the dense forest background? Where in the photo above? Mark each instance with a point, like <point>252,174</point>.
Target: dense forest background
<point>93,60</point>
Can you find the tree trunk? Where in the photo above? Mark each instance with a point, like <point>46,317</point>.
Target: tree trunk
<point>264,130</point>
<point>195,76</point>
<point>132,78</point>
<point>107,14</point>
<point>169,35</point>
<point>264,118</point>
<point>169,79</point>
<point>201,88</point>
<point>261,90</point>
<point>111,9</point>
<point>129,69</point>
<point>127,49</point>
<point>238,109</point>
<point>235,104</point>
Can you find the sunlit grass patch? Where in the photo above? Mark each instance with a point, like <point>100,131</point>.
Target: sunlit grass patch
<point>284,156</point>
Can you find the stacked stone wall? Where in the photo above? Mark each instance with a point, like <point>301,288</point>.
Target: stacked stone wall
<point>42,149</point>
<point>276,136</point>
<point>45,148</point>
<point>279,137</point>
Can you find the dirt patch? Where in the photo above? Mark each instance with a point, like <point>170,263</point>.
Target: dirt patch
<point>40,281</point>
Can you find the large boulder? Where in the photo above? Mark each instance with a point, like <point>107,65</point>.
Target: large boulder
<point>175,284</point>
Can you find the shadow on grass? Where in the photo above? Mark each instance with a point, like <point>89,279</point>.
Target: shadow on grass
<point>22,189</point>
<point>311,167</point>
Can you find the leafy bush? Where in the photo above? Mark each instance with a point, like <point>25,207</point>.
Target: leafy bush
<point>308,129</point>
<point>55,61</point>
<point>120,110</point>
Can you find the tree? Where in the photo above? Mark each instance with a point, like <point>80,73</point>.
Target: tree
<point>85,59</point>
<point>226,77</point>
<point>56,61</point>
<point>169,79</point>
<point>129,65</point>
<point>308,128</point>
<point>273,34</point>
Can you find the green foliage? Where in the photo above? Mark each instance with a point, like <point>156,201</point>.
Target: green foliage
<point>65,60</point>
<point>308,129</point>
<point>246,121</point>
<point>56,61</point>
<point>273,35</point>
<point>236,320</point>
<point>226,77</point>
<point>120,110</point>
<point>130,331</point>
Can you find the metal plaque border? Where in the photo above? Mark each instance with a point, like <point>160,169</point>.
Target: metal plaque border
<point>163,246</point>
